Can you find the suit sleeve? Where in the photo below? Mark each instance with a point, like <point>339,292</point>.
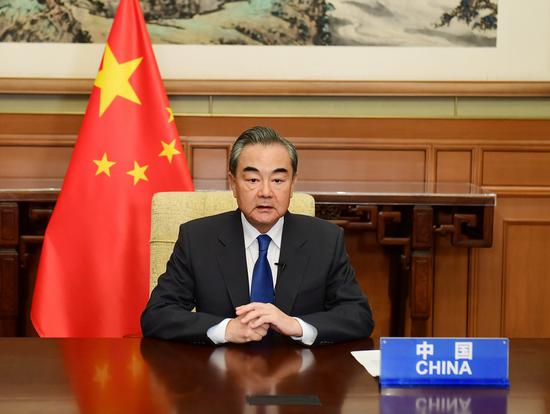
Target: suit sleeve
<point>347,313</point>
<point>169,313</point>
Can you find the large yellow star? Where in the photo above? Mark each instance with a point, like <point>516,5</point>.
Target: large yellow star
<point>170,114</point>
<point>113,80</point>
<point>169,150</point>
<point>104,165</point>
<point>102,374</point>
<point>136,366</point>
<point>138,173</point>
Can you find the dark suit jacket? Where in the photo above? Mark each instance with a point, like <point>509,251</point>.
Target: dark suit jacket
<point>207,271</point>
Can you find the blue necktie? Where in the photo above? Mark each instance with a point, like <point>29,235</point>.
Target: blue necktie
<point>262,280</point>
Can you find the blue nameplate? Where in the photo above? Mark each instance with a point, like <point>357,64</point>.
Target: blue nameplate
<point>444,361</point>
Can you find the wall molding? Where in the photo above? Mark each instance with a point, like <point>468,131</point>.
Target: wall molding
<point>216,87</point>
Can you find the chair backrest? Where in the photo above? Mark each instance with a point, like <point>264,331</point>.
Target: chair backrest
<point>169,210</point>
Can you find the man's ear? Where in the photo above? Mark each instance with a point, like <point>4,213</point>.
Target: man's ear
<point>294,179</point>
<point>232,183</point>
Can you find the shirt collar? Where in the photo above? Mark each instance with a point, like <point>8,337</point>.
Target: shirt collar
<point>251,233</point>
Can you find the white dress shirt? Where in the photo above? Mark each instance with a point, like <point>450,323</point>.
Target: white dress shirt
<point>217,332</point>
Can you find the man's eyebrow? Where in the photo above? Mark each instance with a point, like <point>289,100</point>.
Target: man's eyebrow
<point>275,171</point>
<point>280,170</point>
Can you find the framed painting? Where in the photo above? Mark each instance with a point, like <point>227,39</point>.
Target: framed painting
<point>328,47</point>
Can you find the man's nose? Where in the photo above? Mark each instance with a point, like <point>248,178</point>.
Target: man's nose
<point>265,189</point>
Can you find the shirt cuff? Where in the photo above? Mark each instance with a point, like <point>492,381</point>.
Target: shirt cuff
<point>216,333</point>
<point>309,333</point>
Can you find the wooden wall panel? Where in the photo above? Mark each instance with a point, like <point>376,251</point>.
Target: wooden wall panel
<point>327,164</point>
<point>526,279</point>
<point>211,129</point>
<point>361,164</point>
<point>371,263</point>
<point>453,165</point>
<point>501,268</point>
<point>474,288</point>
<point>209,167</point>
<point>451,271</point>
<point>450,315</point>
<point>516,167</point>
<point>488,279</point>
<point>39,161</point>
<point>8,290</point>
<point>413,130</point>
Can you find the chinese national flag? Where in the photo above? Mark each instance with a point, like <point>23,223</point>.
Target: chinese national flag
<point>93,277</point>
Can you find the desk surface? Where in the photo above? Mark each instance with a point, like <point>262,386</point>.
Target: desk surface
<point>388,192</point>
<point>399,193</point>
<point>144,375</point>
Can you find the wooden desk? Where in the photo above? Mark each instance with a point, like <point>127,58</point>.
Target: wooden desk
<point>405,216</point>
<point>151,376</point>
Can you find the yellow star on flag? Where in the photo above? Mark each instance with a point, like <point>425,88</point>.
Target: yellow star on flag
<point>104,165</point>
<point>170,114</point>
<point>138,173</point>
<point>136,366</point>
<point>169,150</point>
<point>102,374</point>
<point>113,80</point>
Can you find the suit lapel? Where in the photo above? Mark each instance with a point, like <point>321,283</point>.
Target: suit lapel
<point>295,256</point>
<point>232,260</point>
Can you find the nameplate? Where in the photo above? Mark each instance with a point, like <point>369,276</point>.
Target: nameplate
<point>444,361</point>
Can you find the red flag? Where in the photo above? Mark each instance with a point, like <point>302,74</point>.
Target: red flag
<point>93,277</point>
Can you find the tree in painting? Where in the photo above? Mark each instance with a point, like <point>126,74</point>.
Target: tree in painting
<point>479,14</point>
<point>39,21</point>
<point>240,22</point>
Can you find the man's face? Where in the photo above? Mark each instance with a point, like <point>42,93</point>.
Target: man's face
<point>263,184</point>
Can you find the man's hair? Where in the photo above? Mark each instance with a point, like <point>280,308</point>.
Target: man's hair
<point>264,136</point>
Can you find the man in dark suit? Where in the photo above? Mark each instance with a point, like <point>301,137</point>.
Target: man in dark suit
<point>259,268</point>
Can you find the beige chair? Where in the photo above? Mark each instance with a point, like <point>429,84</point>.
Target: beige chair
<point>169,210</point>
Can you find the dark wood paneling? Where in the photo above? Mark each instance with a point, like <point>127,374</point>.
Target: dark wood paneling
<point>9,270</point>
<point>9,224</point>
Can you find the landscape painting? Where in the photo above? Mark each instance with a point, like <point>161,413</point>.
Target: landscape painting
<point>405,23</point>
